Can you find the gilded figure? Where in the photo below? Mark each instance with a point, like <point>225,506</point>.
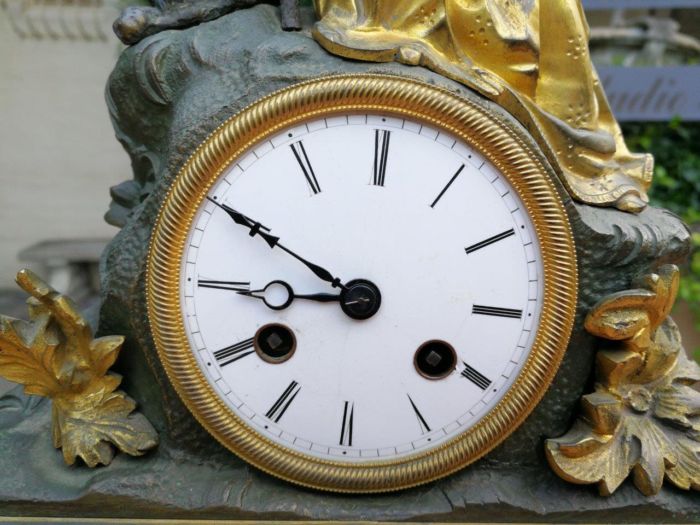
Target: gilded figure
<point>529,56</point>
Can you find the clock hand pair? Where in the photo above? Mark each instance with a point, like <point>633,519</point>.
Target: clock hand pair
<point>257,228</point>
<point>359,299</point>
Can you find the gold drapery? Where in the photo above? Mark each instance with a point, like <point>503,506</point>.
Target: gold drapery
<point>529,56</point>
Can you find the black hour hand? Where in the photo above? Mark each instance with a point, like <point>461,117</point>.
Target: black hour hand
<point>279,295</point>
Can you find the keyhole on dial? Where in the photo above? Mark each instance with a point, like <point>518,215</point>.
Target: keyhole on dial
<point>275,343</point>
<point>435,359</point>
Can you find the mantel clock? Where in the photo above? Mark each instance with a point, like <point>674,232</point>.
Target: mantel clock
<point>365,245</point>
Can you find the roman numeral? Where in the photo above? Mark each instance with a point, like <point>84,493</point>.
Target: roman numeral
<point>234,286</point>
<point>454,178</point>
<point>381,153</point>
<point>424,428</point>
<point>476,377</point>
<point>233,353</point>
<point>346,429</point>
<point>302,158</point>
<point>497,312</point>
<point>282,404</point>
<point>490,241</point>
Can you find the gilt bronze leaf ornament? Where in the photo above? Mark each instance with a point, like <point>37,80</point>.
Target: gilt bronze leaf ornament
<point>529,56</point>
<point>644,416</point>
<point>54,355</point>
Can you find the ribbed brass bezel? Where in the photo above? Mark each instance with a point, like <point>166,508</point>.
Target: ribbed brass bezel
<point>505,145</point>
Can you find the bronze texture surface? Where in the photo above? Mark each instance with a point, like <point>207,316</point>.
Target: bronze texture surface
<point>138,22</point>
<point>54,355</point>
<point>644,416</point>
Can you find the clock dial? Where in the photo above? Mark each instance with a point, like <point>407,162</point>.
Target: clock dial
<point>361,287</point>
<point>363,283</point>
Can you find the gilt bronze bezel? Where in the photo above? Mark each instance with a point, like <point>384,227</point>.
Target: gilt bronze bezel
<point>506,145</point>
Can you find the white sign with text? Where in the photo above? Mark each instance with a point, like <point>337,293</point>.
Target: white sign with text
<point>653,93</point>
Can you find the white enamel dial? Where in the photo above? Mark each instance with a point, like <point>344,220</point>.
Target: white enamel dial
<point>421,215</point>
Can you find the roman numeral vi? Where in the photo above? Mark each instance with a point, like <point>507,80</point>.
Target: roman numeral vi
<point>346,428</point>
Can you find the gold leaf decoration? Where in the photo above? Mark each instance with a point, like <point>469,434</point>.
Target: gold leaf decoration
<point>644,416</point>
<point>54,355</point>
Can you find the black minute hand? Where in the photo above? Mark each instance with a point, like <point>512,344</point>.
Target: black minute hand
<point>257,228</point>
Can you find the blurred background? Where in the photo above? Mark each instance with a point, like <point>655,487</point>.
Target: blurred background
<point>59,156</point>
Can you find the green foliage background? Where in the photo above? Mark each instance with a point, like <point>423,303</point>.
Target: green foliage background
<point>676,147</point>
